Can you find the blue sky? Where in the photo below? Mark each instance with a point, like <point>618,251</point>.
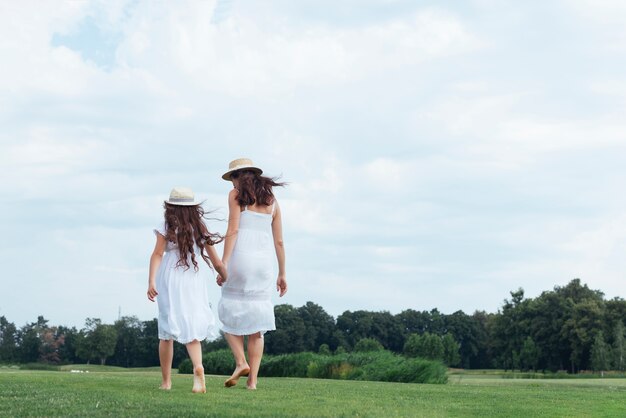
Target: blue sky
<point>438,154</point>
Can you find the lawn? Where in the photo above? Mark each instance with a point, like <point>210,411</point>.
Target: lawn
<point>121,392</point>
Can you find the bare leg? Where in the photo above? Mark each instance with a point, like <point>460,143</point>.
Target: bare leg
<point>255,353</point>
<point>195,354</point>
<point>241,365</point>
<point>166,354</point>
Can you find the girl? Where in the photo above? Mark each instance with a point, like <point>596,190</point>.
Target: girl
<point>181,284</point>
<point>254,233</point>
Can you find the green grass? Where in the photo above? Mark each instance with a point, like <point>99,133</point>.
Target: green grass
<point>134,392</point>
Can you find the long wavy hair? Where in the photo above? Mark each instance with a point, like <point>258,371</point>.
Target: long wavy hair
<point>255,188</point>
<point>184,226</point>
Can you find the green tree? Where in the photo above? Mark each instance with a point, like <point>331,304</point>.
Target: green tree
<point>105,339</point>
<point>482,358</point>
<point>427,346</point>
<point>414,322</point>
<point>451,348</point>
<point>619,348</point>
<point>84,342</point>
<point>382,326</point>
<point>67,351</point>
<point>29,339</point>
<point>149,344</point>
<point>8,341</point>
<point>600,354</point>
<point>290,334</point>
<point>368,344</point>
<point>96,340</point>
<point>508,330</point>
<point>548,313</point>
<point>319,326</point>
<point>580,328</point>
<point>470,335</point>
<point>529,355</point>
<point>128,348</point>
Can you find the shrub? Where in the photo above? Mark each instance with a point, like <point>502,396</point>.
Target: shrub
<point>38,366</point>
<point>379,365</point>
<point>324,350</point>
<point>216,362</point>
<point>368,344</point>
<point>332,367</point>
<point>287,365</point>
<point>341,350</point>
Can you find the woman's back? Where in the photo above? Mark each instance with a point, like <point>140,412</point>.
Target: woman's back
<point>251,268</point>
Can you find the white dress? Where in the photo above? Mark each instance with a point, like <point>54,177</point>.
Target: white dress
<point>246,304</point>
<point>184,309</point>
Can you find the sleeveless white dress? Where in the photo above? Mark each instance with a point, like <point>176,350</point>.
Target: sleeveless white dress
<point>246,304</point>
<point>184,309</point>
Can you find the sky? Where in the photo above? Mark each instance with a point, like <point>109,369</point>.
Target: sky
<point>438,154</point>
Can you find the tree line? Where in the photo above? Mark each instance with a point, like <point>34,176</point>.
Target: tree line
<point>569,328</point>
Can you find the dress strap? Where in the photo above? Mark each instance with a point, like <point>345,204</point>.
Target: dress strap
<point>273,206</point>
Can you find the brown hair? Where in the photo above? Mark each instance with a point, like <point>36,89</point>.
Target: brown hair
<point>255,188</point>
<point>185,227</point>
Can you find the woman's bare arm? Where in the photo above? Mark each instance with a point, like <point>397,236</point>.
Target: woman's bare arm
<point>234,213</point>
<point>279,246</point>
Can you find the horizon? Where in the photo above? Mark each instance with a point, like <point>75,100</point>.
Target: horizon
<point>121,314</point>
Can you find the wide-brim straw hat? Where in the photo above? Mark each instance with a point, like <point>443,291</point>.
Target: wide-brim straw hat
<point>182,196</point>
<point>240,164</point>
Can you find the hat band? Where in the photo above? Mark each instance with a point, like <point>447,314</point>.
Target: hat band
<point>181,199</point>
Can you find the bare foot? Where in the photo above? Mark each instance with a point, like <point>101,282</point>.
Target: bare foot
<point>198,380</point>
<point>239,371</point>
<point>165,386</point>
<point>251,387</point>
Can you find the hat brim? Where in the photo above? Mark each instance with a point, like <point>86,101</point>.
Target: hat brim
<point>226,175</point>
<point>169,202</point>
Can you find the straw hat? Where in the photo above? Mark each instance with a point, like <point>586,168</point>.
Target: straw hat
<point>182,196</point>
<point>239,164</point>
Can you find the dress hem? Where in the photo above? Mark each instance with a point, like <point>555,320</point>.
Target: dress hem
<point>187,341</point>
<point>247,331</point>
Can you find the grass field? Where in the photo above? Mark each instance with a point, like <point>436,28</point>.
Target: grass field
<point>122,392</point>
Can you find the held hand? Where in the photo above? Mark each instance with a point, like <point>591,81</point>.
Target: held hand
<point>281,285</point>
<point>220,280</point>
<point>152,293</point>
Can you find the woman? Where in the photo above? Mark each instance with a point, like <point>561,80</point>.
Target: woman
<point>254,234</point>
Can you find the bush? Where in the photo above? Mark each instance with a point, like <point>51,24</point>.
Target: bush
<point>288,365</point>
<point>39,366</point>
<point>332,367</point>
<point>368,344</point>
<point>370,365</point>
<point>378,366</point>
<point>324,350</point>
<point>216,362</point>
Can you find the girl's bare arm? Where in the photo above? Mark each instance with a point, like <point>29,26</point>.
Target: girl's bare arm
<point>155,262</point>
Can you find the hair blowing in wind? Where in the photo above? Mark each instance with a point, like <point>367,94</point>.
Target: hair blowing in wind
<point>255,188</point>
<point>185,227</point>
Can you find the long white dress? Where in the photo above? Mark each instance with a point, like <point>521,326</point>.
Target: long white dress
<point>184,309</point>
<point>246,304</point>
